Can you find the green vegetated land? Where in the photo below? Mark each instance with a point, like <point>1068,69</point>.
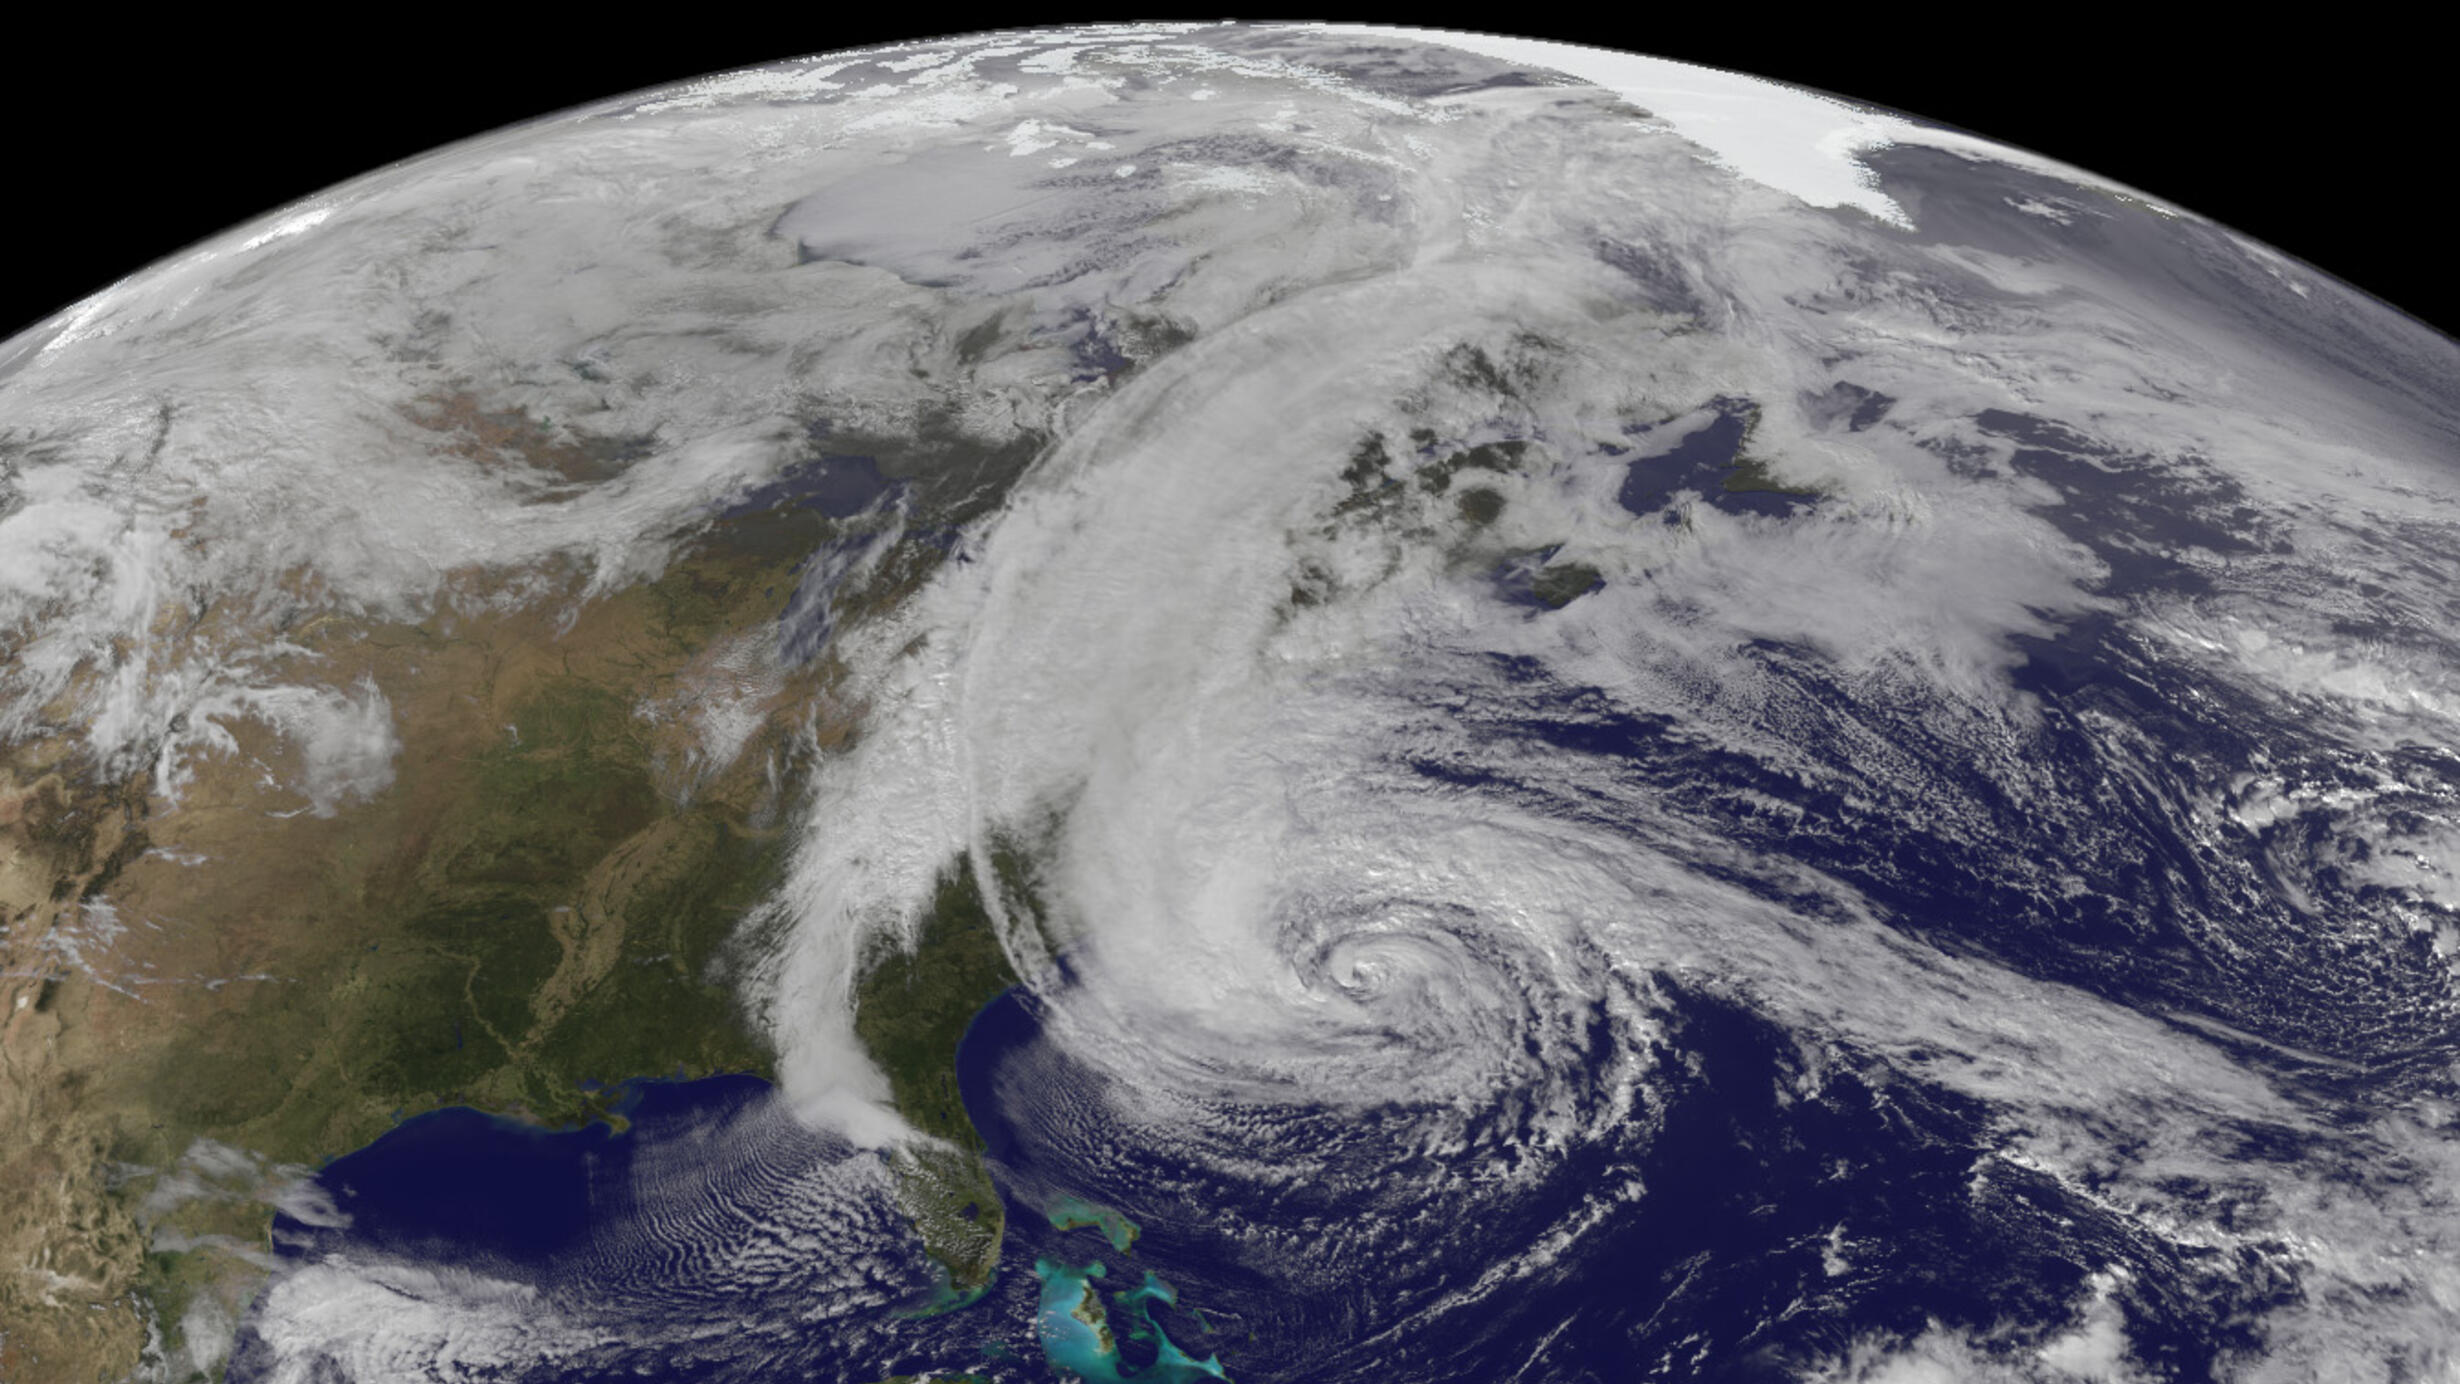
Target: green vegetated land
<point>1554,586</point>
<point>1499,458</point>
<point>1369,471</point>
<point>1376,491</point>
<point>537,907</point>
<point>552,919</point>
<point>515,992</point>
<point>1480,505</point>
<point>912,1008</point>
<point>533,913</point>
<point>1563,583</point>
<point>1750,472</point>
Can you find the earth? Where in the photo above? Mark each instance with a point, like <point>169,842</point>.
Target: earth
<point>1229,702</point>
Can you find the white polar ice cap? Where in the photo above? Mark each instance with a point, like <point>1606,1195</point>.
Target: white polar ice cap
<point>1786,137</point>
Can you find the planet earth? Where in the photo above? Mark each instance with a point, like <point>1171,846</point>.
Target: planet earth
<point>1236,702</point>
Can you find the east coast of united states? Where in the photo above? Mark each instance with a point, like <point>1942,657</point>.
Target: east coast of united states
<point>1229,702</point>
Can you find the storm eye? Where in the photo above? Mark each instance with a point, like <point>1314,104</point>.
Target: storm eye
<point>1498,686</point>
<point>1364,977</point>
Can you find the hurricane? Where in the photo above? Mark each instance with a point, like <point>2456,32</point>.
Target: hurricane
<point>1236,702</point>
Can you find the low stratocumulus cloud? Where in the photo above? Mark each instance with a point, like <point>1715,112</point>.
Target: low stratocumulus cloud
<point>1413,759</point>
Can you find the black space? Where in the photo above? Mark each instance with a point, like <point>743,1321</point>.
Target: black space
<point>133,138</point>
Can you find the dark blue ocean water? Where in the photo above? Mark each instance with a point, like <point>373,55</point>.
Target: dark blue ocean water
<point>1700,461</point>
<point>1782,1219</point>
<point>1766,1206</point>
<point>458,1185</point>
<point>563,1212</point>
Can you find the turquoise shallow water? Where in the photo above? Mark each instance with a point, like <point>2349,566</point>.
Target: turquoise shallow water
<point>1078,1336</point>
<point>1070,1213</point>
